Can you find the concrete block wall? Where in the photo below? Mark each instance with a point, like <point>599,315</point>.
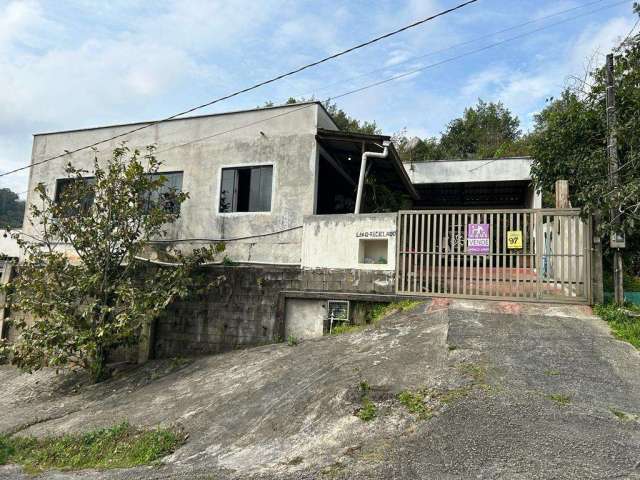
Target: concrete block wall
<point>242,310</point>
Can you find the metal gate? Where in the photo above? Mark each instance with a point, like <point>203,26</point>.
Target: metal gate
<point>535,255</point>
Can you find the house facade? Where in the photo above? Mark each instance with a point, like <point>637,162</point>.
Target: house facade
<point>318,222</point>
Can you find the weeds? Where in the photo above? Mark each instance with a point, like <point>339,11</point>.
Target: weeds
<point>623,326</point>
<point>292,341</point>
<point>346,328</point>
<point>414,402</point>
<point>368,411</point>
<point>560,399</point>
<point>618,413</point>
<point>551,372</point>
<point>121,446</point>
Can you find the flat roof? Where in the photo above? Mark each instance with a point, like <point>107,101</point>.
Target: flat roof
<point>470,170</point>
<point>231,112</point>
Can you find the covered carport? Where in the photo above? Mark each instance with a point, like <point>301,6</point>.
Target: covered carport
<point>488,183</point>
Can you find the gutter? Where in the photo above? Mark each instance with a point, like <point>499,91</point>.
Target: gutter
<point>363,168</point>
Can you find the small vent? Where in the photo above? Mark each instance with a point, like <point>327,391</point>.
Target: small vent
<point>337,313</point>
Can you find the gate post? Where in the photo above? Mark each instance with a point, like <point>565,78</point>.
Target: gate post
<point>597,284</point>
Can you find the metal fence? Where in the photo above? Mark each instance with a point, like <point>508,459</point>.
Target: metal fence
<point>541,255</point>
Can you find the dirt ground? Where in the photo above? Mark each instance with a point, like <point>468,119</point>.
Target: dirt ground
<point>512,391</point>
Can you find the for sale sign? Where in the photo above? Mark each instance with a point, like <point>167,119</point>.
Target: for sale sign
<point>478,238</point>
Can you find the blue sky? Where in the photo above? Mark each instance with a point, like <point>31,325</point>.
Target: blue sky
<point>78,63</point>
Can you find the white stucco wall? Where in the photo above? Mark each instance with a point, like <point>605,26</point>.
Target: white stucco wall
<point>334,241</point>
<point>491,170</point>
<point>8,246</point>
<point>200,147</point>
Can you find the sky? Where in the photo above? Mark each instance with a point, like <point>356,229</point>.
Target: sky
<point>68,64</point>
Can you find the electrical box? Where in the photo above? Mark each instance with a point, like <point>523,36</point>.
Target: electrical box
<point>337,313</point>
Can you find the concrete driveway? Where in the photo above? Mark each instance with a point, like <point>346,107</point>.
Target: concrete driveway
<point>513,390</point>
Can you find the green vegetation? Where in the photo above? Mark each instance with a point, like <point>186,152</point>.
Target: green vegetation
<point>573,127</point>
<point>414,402</point>
<point>381,310</point>
<point>11,209</point>
<point>375,314</point>
<point>368,411</point>
<point>477,372</point>
<point>81,311</point>
<point>560,398</point>
<point>618,413</point>
<point>551,372</point>
<point>121,446</point>
<point>623,326</point>
<point>292,341</point>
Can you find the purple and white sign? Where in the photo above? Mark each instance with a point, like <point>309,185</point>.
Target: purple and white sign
<point>478,238</point>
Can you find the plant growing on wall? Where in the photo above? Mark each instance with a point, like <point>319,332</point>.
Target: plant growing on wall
<point>85,282</point>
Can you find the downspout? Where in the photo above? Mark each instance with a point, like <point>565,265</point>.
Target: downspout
<point>363,168</point>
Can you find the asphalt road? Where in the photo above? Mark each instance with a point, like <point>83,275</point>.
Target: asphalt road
<point>513,392</point>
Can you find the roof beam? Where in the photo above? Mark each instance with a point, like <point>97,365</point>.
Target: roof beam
<point>332,161</point>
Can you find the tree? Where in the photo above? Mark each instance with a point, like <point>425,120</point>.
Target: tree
<point>11,209</point>
<point>487,130</point>
<point>570,140</point>
<point>84,308</point>
<point>481,131</point>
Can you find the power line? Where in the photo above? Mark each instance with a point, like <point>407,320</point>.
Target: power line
<point>387,80</point>
<point>253,87</point>
<point>456,45</point>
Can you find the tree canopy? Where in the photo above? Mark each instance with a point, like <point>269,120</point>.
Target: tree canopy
<point>11,209</point>
<point>569,142</point>
<point>486,130</point>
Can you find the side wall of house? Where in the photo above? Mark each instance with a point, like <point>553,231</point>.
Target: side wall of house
<point>201,147</point>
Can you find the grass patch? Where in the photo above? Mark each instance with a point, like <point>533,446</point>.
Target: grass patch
<point>346,328</point>
<point>551,372</point>
<point>381,310</point>
<point>618,413</point>
<point>121,446</point>
<point>368,411</point>
<point>622,325</point>
<point>452,347</point>
<point>414,402</point>
<point>477,372</point>
<point>560,399</point>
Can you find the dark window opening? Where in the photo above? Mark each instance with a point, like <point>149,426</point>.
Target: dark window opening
<point>246,189</point>
<point>164,196</point>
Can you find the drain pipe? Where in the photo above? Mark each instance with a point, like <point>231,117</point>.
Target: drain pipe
<point>363,168</point>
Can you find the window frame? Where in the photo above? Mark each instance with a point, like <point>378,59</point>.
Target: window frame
<point>60,181</point>
<point>245,165</point>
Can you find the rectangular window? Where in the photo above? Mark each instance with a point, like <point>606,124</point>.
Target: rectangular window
<point>246,189</point>
<point>164,196</point>
<point>64,185</point>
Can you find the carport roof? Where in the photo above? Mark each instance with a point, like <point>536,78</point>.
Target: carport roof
<point>355,143</point>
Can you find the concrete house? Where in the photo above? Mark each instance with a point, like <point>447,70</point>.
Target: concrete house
<point>319,221</point>
<point>252,175</point>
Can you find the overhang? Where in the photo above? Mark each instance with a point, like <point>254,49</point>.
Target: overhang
<point>466,171</point>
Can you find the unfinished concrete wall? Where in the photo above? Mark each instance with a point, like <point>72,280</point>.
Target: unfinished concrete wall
<point>363,242</point>
<point>200,147</point>
<point>242,310</point>
<point>304,318</point>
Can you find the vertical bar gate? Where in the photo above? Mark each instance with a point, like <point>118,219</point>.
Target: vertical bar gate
<point>534,255</point>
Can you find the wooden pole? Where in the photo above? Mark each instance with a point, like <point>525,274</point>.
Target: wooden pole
<point>612,151</point>
<point>562,194</point>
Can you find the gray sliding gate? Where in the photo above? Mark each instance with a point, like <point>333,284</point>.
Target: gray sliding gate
<point>535,255</point>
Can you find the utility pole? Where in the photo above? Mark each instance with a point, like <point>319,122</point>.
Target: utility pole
<point>617,240</point>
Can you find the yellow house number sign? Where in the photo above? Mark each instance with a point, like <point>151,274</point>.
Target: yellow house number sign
<point>514,239</point>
